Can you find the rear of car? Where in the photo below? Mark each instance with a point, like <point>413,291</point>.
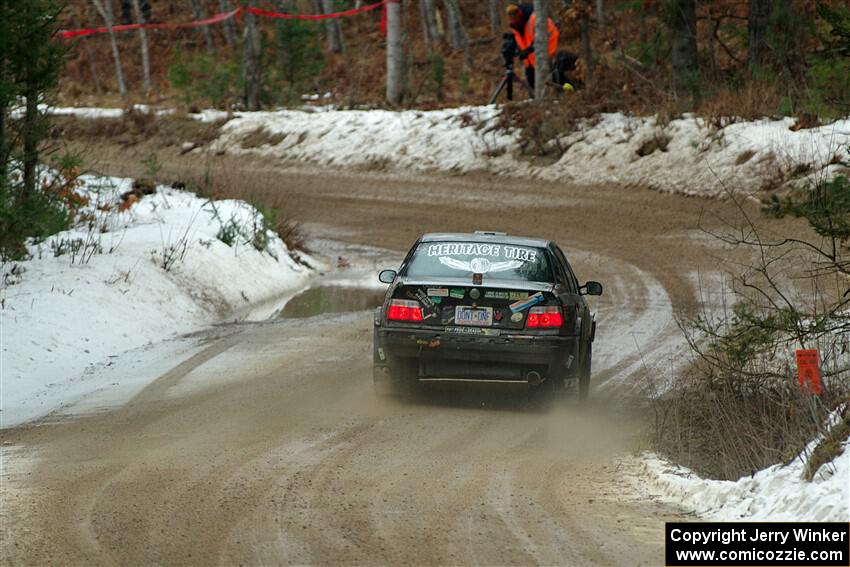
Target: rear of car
<point>481,308</point>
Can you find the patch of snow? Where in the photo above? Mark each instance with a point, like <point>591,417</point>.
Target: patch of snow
<point>101,288</point>
<point>685,155</point>
<point>776,494</point>
<point>458,139</point>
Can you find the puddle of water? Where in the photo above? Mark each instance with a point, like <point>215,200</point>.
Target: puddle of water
<point>331,299</point>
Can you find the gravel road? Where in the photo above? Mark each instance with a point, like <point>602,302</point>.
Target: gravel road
<point>267,446</point>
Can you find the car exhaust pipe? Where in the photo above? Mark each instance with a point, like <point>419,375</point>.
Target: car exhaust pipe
<point>533,378</point>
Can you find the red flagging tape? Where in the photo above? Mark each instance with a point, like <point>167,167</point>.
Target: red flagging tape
<point>127,27</point>
<point>218,18</point>
<point>346,13</point>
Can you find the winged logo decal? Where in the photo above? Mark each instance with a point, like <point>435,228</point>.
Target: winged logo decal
<point>480,265</point>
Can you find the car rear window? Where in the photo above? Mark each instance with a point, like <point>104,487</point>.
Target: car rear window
<point>496,261</point>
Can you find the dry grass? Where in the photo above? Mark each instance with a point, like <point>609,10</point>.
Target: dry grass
<point>830,447</point>
<point>260,137</point>
<point>751,101</point>
<point>726,427</point>
<point>136,128</point>
<point>219,182</point>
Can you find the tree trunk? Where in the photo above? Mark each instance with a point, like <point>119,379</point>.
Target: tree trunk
<point>427,34</point>
<point>495,11</point>
<point>430,11</point>
<point>4,110</point>
<point>586,51</point>
<point>30,136</point>
<point>455,24</point>
<point>756,31</point>
<point>199,13</point>
<point>458,37</point>
<point>107,14</point>
<point>229,27</point>
<point>253,75</point>
<point>332,27</point>
<point>600,13</point>
<point>395,53</point>
<point>683,40</point>
<point>143,38</point>
<point>542,65</point>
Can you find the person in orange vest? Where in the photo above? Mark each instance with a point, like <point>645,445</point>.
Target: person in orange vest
<point>522,18</point>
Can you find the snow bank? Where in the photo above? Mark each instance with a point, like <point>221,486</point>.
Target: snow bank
<point>458,139</point>
<point>685,155</point>
<point>775,494</point>
<point>118,281</point>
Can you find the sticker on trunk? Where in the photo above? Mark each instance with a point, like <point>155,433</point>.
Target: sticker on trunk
<point>457,293</point>
<point>509,295</point>
<point>525,304</point>
<point>438,292</point>
<point>475,331</point>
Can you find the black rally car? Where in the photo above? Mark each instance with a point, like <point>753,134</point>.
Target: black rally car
<point>486,308</point>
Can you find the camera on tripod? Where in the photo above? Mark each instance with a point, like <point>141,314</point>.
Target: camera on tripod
<point>509,49</point>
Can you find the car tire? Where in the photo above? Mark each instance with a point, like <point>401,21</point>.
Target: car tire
<point>584,375</point>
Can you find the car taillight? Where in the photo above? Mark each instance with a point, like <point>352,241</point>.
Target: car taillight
<point>404,310</point>
<point>544,317</point>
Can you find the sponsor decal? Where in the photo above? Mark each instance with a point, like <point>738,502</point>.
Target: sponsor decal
<point>464,330</point>
<point>437,300</point>
<point>482,249</point>
<point>438,292</point>
<point>473,331</point>
<point>480,265</point>
<point>474,294</point>
<point>457,293</point>
<point>526,303</point>
<point>481,258</point>
<point>517,317</point>
<point>509,295</point>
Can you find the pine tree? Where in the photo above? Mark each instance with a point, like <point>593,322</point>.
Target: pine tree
<point>30,61</point>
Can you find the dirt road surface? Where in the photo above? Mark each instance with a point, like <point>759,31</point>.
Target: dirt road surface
<point>267,445</point>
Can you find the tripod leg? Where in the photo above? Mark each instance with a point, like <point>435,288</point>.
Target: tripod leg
<point>510,80</point>
<point>498,91</point>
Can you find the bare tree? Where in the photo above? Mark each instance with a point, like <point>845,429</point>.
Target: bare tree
<point>455,24</point>
<point>108,15</point>
<point>427,34</point>
<point>495,12</point>
<point>429,21</point>
<point>253,75</point>
<point>395,53</point>
<point>229,26</point>
<point>757,24</point>
<point>143,38</point>
<point>458,37</point>
<point>332,28</point>
<point>683,40</point>
<point>600,13</point>
<point>542,65</point>
<point>199,13</point>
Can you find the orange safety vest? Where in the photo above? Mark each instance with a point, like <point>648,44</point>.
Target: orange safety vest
<point>526,40</point>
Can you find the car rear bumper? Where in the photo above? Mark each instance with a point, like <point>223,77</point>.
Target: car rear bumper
<point>440,356</point>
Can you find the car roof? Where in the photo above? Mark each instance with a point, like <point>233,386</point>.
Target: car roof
<point>491,237</point>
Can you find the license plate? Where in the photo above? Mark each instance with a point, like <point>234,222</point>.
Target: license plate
<point>475,316</point>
